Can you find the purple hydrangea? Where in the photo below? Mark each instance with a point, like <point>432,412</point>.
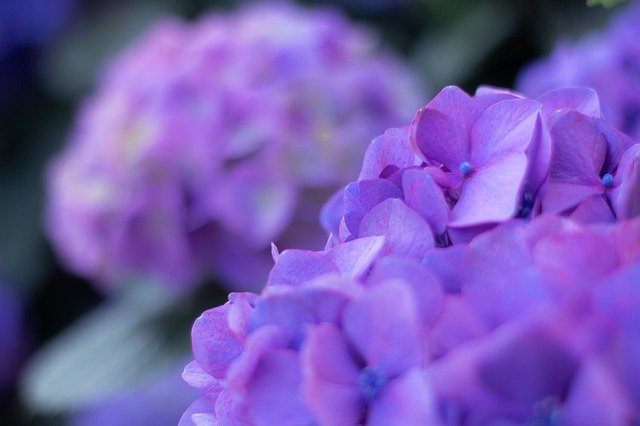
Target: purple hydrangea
<point>207,141</point>
<point>12,349</point>
<point>608,61</point>
<point>457,287</point>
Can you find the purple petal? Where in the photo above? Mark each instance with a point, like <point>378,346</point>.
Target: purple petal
<point>230,412</point>
<point>260,342</point>
<point>332,212</point>
<point>491,194</point>
<point>617,144</point>
<point>285,308</point>
<point>559,197</point>
<point>581,99</point>
<point>407,400</point>
<point>504,129</point>
<point>382,324</point>
<point>425,197</point>
<point>295,267</point>
<point>330,374</point>
<point>625,196</point>
<point>405,232</point>
<point>195,376</point>
<point>361,197</point>
<point>215,346</point>
<point>200,413</point>
<point>354,258</point>
<point>426,287</point>
<point>445,264</point>
<point>393,148</point>
<point>328,295</point>
<point>578,151</point>
<point>274,396</point>
<point>594,209</point>
<point>595,398</point>
<point>440,131</point>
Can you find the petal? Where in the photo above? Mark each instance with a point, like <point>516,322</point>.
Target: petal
<point>625,196</point>
<point>596,398</point>
<point>504,128</point>
<point>230,412</point>
<point>582,99</point>
<point>425,197</point>
<point>407,400</point>
<point>382,324</point>
<point>426,287</point>
<point>491,194</point>
<point>295,267</point>
<point>578,149</point>
<point>440,131</point>
<point>328,295</point>
<point>274,396</point>
<point>559,197</point>
<point>361,197</point>
<point>332,212</point>
<point>285,308</point>
<point>354,258</point>
<point>261,341</point>
<point>594,209</point>
<point>329,377</point>
<point>195,376</point>
<point>215,346</point>
<point>405,232</point>
<point>200,413</point>
<point>445,264</point>
<point>393,148</point>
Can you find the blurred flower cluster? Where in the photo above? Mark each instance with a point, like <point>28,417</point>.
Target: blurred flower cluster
<point>608,62</point>
<point>206,141</point>
<point>482,269</point>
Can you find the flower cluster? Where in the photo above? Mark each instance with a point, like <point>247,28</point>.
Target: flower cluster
<point>609,62</point>
<point>207,141</point>
<point>483,269</point>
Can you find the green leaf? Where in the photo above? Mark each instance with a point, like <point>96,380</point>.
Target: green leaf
<point>119,345</point>
<point>604,3</point>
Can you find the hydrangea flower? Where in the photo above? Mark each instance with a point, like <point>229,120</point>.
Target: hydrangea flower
<point>608,61</point>
<point>518,314</point>
<point>11,336</point>
<point>207,141</point>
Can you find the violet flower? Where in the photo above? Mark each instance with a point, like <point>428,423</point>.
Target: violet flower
<point>205,142</point>
<point>409,316</point>
<point>608,61</point>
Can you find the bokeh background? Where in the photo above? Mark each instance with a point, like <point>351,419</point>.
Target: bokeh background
<point>87,358</point>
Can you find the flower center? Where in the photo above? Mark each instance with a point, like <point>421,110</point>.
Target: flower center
<point>607,180</point>
<point>371,381</point>
<point>465,168</point>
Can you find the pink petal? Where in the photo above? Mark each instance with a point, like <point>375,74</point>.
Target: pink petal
<point>625,196</point>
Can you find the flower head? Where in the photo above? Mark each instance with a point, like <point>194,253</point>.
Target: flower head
<point>416,314</point>
<point>207,141</point>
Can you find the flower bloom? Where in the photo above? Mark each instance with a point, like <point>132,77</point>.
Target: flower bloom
<point>608,61</point>
<point>205,142</point>
<point>458,287</point>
